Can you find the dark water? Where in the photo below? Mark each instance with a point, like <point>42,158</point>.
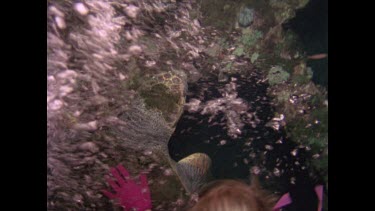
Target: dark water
<point>311,25</point>
<point>194,133</point>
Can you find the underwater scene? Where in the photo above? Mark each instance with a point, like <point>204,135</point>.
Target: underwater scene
<point>187,105</point>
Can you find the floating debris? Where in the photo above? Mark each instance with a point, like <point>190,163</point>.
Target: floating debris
<point>316,156</point>
<point>276,172</point>
<point>255,170</point>
<point>131,11</point>
<point>89,146</point>
<point>318,56</point>
<point>268,147</point>
<point>294,152</point>
<point>60,22</point>
<point>280,141</point>
<point>252,155</point>
<point>293,180</point>
<point>246,161</point>
<point>81,8</point>
<point>135,50</point>
<point>168,172</point>
<point>147,152</point>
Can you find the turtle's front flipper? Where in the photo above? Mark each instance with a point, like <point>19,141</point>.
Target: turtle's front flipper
<point>194,171</point>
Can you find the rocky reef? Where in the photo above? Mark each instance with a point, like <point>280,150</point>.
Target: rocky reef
<point>123,77</point>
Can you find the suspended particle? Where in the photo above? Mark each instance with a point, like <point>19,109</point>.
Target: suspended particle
<point>222,142</point>
<point>60,22</point>
<point>255,170</point>
<point>294,152</point>
<point>276,172</point>
<point>293,180</point>
<point>316,156</point>
<point>280,141</point>
<point>168,172</point>
<point>246,161</point>
<point>81,8</point>
<point>269,147</point>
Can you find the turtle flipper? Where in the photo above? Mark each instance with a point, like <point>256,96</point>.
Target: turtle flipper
<point>194,171</point>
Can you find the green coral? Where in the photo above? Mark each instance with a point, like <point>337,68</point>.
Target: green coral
<point>277,75</point>
<point>317,100</point>
<point>284,10</point>
<point>283,96</point>
<point>246,16</point>
<point>304,77</point>
<point>254,57</point>
<point>321,165</point>
<point>250,37</point>
<point>315,136</point>
<point>239,51</point>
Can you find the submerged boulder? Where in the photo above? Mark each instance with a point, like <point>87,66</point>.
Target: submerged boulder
<point>246,17</point>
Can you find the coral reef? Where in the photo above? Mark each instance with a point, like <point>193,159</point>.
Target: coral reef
<point>277,75</point>
<point>99,56</point>
<point>246,16</point>
<point>117,78</point>
<point>250,37</point>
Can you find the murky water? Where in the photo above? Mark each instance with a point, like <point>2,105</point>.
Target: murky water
<point>255,147</point>
<point>311,25</point>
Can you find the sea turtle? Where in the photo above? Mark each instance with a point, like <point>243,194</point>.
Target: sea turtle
<point>165,92</point>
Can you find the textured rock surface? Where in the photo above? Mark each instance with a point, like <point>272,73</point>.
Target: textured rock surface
<point>246,16</point>
<point>98,55</point>
<point>117,75</point>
